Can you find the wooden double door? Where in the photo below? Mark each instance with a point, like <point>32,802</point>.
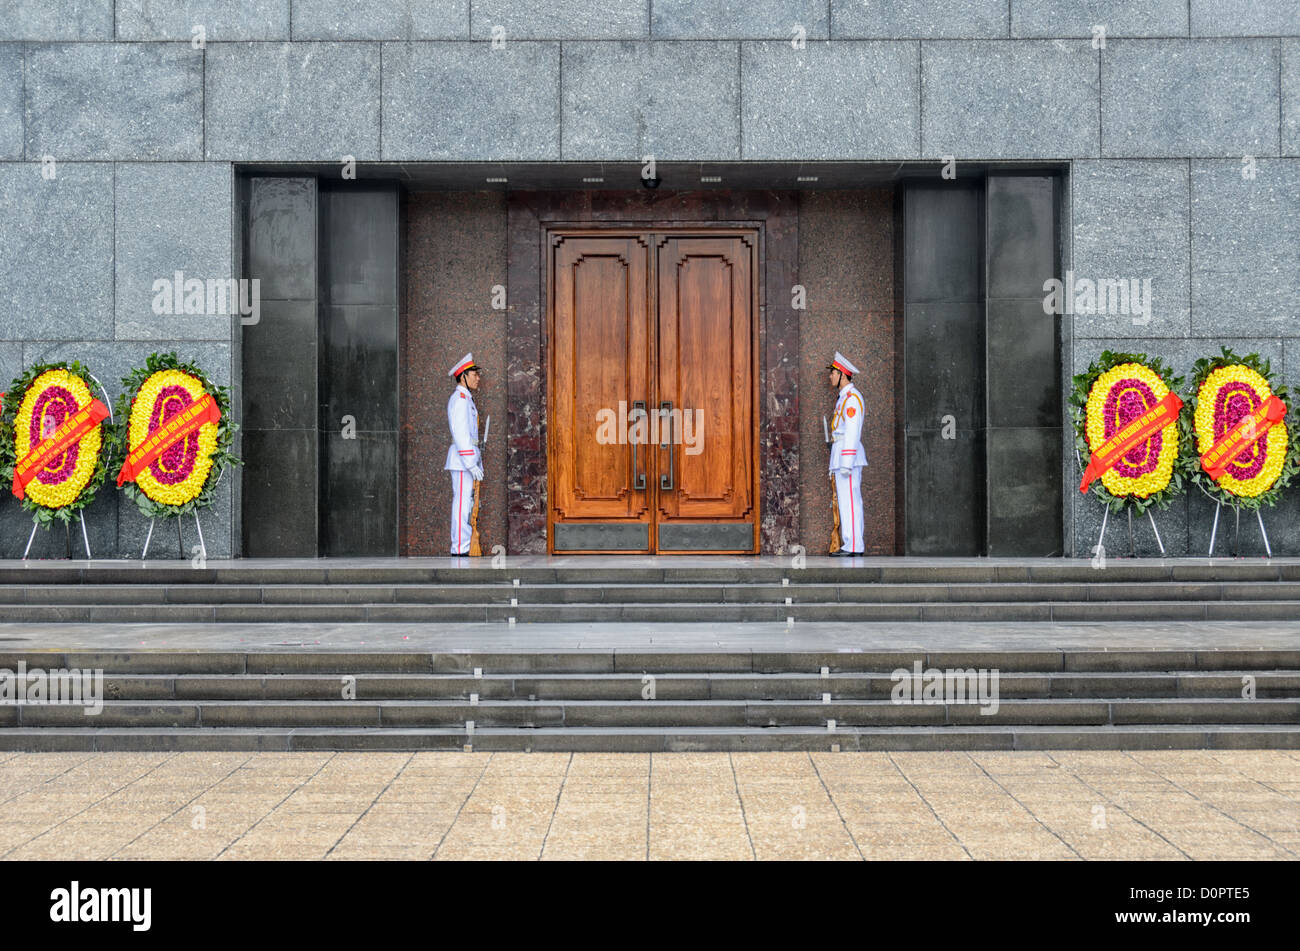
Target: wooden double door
<point>653,416</point>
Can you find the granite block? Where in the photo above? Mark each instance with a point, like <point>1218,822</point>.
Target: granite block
<point>919,19</point>
<point>737,20</point>
<point>171,217</point>
<point>1245,247</point>
<point>58,20</point>
<point>1024,501</point>
<point>1132,224</point>
<point>216,524</point>
<point>1020,234</point>
<point>111,360</point>
<point>381,19</point>
<point>994,100</point>
<point>1245,18</point>
<point>1176,98</point>
<point>326,102</point>
<point>468,101</point>
<point>285,348</point>
<point>220,19</point>
<point>11,362</point>
<point>847,100</point>
<point>1053,18</point>
<point>58,262</point>
<point>561,19</point>
<point>616,104</point>
<point>115,101</point>
<point>11,101</point>
<point>1291,97</point>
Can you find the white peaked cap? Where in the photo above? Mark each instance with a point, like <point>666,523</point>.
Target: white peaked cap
<point>841,362</point>
<point>463,364</point>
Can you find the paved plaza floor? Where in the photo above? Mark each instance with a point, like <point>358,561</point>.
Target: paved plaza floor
<point>447,806</point>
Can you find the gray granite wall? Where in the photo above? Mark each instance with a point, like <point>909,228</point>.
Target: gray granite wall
<point>1182,133</point>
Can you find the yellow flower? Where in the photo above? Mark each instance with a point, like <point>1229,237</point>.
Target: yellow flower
<point>1275,440</point>
<point>66,491</point>
<point>1158,476</point>
<point>142,412</point>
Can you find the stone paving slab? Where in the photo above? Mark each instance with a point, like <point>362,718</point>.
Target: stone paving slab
<point>1047,805</point>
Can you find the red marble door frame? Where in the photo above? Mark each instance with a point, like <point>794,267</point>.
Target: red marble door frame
<point>529,214</point>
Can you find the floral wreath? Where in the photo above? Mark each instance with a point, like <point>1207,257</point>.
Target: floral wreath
<point>1115,391</point>
<point>1223,390</point>
<point>36,405</point>
<point>183,477</point>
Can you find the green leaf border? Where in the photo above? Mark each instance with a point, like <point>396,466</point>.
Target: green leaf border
<point>1189,461</point>
<point>42,515</point>
<point>221,456</point>
<point>1083,383</point>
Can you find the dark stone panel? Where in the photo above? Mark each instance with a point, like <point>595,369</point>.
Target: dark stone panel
<point>282,237</point>
<point>358,367</point>
<point>598,536</point>
<point>279,367</point>
<point>944,370</point>
<point>358,494</point>
<point>945,498</point>
<point>1024,361</point>
<point>359,230</point>
<point>279,504</point>
<point>943,250</point>
<point>1024,492</point>
<point>1022,234</point>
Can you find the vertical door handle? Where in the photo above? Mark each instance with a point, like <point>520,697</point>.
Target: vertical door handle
<point>666,418</point>
<point>638,477</point>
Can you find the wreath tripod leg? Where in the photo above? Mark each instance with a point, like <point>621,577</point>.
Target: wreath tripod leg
<point>1214,530</point>
<point>30,539</point>
<point>84,537</point>
<point>1268,548</point>
<point>1156,530</point>
<point>145,553</point>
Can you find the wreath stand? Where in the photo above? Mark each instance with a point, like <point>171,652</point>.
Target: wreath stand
<point>1132,548</point>
<point>180,542</point>
<point>1236,534</point>
<point>81,515</point>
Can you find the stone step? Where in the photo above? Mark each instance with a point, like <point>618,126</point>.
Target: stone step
<point>705,739</point>
<point>600,661</point>
<point>716,686</point>
<point>1002,611</point>
<point>875,571</point>
<point>209,596</point>
<point>639,713</point>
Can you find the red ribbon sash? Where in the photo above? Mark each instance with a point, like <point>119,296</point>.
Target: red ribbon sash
<point>40,455</point>
<point>203,410</point>
<point>1241,436</point>
<point>1134,434</point>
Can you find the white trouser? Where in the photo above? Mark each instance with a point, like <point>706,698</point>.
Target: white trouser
<point>848,494</point>
<point>462,502</point>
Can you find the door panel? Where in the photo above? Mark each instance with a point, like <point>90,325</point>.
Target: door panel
<point>704,369</point>
<point>601,357</point>
<point>664,321</point>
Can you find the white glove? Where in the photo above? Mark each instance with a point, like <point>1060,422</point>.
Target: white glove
<point>477,473</point>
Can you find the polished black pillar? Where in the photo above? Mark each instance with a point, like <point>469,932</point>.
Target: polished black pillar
<point>358,368</point>
<point>1023,439</point>
<point>943,414</point>
<point>278,369</point>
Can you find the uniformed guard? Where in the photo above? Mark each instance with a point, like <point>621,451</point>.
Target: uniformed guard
<point>463,458</point>
<point>848,457</point>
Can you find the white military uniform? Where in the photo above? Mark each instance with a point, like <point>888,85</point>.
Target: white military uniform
<point>848,457</point>
<point>462,458</point>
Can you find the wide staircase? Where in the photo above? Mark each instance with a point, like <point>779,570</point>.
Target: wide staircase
<point>391,697</point>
